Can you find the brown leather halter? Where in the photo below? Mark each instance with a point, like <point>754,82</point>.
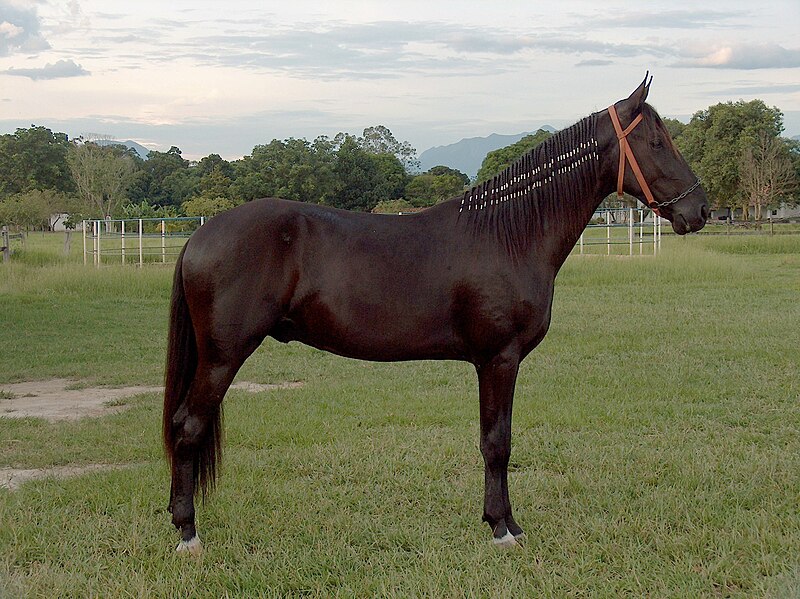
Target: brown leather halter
<point>626,155</point>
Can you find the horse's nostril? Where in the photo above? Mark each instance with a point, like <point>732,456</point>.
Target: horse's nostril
<point>704,212</point>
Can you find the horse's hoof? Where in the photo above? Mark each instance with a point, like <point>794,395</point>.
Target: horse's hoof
<point>507,541</point>
<point>193,546</point>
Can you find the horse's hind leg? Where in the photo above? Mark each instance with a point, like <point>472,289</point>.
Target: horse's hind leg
<point>197,426</point>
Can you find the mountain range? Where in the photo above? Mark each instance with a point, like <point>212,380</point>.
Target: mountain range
<point>468,154</point>
<point>138,148</point>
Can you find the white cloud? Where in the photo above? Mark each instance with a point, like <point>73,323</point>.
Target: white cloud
<point>594,62</point>
<point>9,30</point>
<point>668,19</point>
<point>57,70</point>
<point>19,30</point>
<point>742,56</point>
<point>388,49</point>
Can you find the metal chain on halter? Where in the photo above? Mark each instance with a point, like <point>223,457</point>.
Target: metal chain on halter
<point>680,197</point>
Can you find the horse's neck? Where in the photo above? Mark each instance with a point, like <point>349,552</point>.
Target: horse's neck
<point>574,212</point>
<point>571,218</point>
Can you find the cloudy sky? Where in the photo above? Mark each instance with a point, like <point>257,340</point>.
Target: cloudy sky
<point>224,76</point>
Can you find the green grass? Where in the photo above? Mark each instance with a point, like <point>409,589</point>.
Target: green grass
<point>656,446</point>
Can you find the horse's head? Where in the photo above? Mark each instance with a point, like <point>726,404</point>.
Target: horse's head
<point>650,166</point>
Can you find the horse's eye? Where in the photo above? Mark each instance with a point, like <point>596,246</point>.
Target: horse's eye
<point>657,144</point>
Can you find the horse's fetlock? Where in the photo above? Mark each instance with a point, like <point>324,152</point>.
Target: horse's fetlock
<point>190,432</point>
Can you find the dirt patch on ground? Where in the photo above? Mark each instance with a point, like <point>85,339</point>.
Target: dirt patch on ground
<point>53,401</point>
<point>12,478</point>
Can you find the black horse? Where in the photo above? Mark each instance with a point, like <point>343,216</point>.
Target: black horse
<point>468,279</point>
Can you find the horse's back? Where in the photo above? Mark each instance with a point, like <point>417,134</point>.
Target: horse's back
<point>271,223</point>
<point>362,285</point>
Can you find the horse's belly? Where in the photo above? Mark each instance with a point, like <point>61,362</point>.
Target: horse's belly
<point>370,332</point>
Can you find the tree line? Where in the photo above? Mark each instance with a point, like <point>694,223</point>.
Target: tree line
<point>44,173</point>
<point>735,147</point>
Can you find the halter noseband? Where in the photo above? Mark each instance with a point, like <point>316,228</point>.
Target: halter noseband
<point>626,154</point>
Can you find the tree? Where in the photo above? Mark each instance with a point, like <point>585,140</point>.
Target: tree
<point>379,140</point>
<point>358,178</point>
<point>429,188</point>
<point>446,170</point>
<point>164,179</point>
<point>675,127</point>
<point>102,175</point>
<point>767,175</point>
<point>214,162</point>
<point>392,207</point>
<point>295,169</point>
<point>32,208</point>
<point>34,158</point>
<point>206,206</point>
<point>215,188</point>
<point>146,210</point>
<point>498,160</point>
<point>215,184</point>
<point>714,140</point>
<point>393,176</point>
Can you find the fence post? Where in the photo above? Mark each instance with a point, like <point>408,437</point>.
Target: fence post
<point>163,242</point>
<point>630,231</point>
<point>83,234</point>
<point>99,242</point>
<point>141,262</point>
<point>96,242</point>
<point>122,238</point>
<point>581,244</point>
<point>608,230</point>
<point>6,248</point>
<point>655,233</point>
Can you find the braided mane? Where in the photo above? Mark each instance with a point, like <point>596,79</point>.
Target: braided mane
<point>536,191</point>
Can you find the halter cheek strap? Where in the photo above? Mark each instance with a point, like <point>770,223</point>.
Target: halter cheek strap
<point>626,155</point>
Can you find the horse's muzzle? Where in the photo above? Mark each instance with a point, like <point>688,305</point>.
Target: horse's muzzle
<point>688,219</point>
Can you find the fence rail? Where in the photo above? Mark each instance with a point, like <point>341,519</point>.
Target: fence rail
<point>614,230</point>
<point>136,240</point>
<point>786,226</point>
<point>6,239</point>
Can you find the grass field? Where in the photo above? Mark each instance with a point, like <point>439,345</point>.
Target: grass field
<point>656,445</point>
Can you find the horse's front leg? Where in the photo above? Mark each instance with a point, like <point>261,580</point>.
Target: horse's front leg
<point>496,380</point>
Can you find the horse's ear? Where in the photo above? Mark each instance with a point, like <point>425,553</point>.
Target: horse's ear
<point>635,102</point>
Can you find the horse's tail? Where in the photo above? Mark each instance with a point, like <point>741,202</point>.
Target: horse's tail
<point>181,359</point>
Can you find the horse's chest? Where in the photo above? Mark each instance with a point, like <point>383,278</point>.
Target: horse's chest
<point>487,320</point>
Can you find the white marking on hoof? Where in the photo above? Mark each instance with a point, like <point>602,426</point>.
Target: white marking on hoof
<point>193,546</point>
<point>507,541</point>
